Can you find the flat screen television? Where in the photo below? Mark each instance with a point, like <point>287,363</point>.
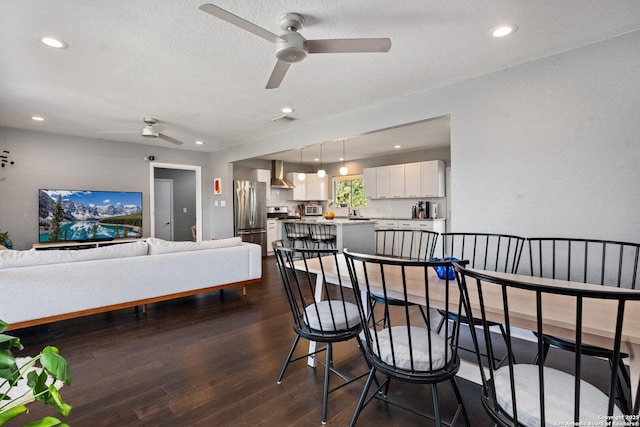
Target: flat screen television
<point>88,216</point>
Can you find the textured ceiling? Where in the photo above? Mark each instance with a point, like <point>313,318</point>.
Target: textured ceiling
<point>204,78</point>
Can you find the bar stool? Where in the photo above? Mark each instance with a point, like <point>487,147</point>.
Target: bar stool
<point>297,232</point>
<point>322,234</point>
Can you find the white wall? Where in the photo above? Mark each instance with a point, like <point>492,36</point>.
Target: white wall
<point>544,148</point>
<point>552,147</point>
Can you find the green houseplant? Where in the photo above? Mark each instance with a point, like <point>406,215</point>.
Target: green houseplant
<point>5,240</point>
<point>41,383</point>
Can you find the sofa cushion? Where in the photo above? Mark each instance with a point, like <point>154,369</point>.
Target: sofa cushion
<point>159,246</point>
<point>12,259</point>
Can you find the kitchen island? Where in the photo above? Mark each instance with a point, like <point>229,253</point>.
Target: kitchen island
<point>355,235</point>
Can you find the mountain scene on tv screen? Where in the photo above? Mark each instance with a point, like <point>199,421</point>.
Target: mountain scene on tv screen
<point>89,215</point>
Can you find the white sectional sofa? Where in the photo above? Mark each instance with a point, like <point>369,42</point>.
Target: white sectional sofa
<point>38,287</point>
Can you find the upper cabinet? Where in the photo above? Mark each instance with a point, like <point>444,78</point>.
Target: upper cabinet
<point>413,180</point>
<point>311,188</point>
<point>410,180</point>
<point>317,188</point>
<point>433,179</point>
<point>370,183</point>
<point>390,181</point>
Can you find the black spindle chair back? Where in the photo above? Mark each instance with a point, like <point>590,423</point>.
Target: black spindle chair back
<point>529,394</point>
<point>405,349</point>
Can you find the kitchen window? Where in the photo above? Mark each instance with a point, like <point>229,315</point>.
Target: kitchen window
<point>348,191</point>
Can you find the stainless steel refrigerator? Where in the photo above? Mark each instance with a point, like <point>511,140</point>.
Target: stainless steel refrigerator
<point>250,208</point>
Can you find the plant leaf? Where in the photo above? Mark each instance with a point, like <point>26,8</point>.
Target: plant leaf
<point>45,422</point>
<point>7,342</point>
<point>3,326</point>
<point>55,364</point>
<point>11,413</point>
<point>54,398</point>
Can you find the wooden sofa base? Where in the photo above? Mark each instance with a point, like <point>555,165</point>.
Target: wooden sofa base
<point>138,303</point>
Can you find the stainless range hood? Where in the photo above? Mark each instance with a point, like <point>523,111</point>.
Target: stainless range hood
<point>277,175</point>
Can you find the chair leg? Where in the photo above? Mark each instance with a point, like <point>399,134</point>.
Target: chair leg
<point>436,405</point>
<point>288,360</point>
<point>325,391</point>
<point>623,396</point>
<point>363,396</point>
<point>456,391</point>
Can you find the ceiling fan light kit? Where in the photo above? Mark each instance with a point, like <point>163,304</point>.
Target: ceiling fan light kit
<point>292,47</point>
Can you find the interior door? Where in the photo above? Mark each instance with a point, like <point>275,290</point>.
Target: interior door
<point>163,205</point>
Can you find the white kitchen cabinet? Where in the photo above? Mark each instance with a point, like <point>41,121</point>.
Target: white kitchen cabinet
<point>433,179</point>
<point>311,188</point>
<point>409,180</point>
<point>437,225</point>
<point>381,224</point>
<point>299,186</point>
<point>317,188</point>
<point>263,175</point>
<point>413,180</point>
<point>370,183</point>
<point>272,234</point>
<point>390,181</point>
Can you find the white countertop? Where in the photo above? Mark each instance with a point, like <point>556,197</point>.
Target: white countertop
<point>335,221</point>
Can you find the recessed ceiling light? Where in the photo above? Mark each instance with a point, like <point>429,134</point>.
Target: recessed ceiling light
<point>504,30</point>
<point>287,110</point>
<point>397,146</point>
<point>316,159</point>
<point>199,143</point>
<point>54,42</point>
<point>37,118</point>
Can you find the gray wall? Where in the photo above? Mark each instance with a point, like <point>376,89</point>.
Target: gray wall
<point>54,161</point>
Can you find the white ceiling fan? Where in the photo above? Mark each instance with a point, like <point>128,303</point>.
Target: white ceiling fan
<point>148,131</point>
<point>292,47</point>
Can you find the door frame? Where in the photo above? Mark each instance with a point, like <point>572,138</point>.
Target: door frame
<point>152,213</point>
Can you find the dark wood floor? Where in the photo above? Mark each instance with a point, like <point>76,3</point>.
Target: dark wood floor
<point>210,360</point>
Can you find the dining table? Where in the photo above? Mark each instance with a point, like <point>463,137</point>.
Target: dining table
<point>559,317</point>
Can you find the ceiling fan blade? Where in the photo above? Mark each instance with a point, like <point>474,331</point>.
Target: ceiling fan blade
<point>117,131</point>
<point>349,45</point>
<point>277,74</point>
<point>169,139</point>
<point>239,22</point>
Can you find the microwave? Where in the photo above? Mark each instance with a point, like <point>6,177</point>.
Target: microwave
<point>313,210</point>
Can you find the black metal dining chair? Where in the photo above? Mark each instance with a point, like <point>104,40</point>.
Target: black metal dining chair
<point>418,245</point>
<point>334,318</point>
<point>600,262</point>
<point>407,244</point>
<point>530,394</point>
<point>405,349</point>
<point>484,251</point>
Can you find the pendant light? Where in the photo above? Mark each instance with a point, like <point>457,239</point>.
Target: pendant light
<point>301,175</point>
<point>321,171</point>
<point>343,170</point>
